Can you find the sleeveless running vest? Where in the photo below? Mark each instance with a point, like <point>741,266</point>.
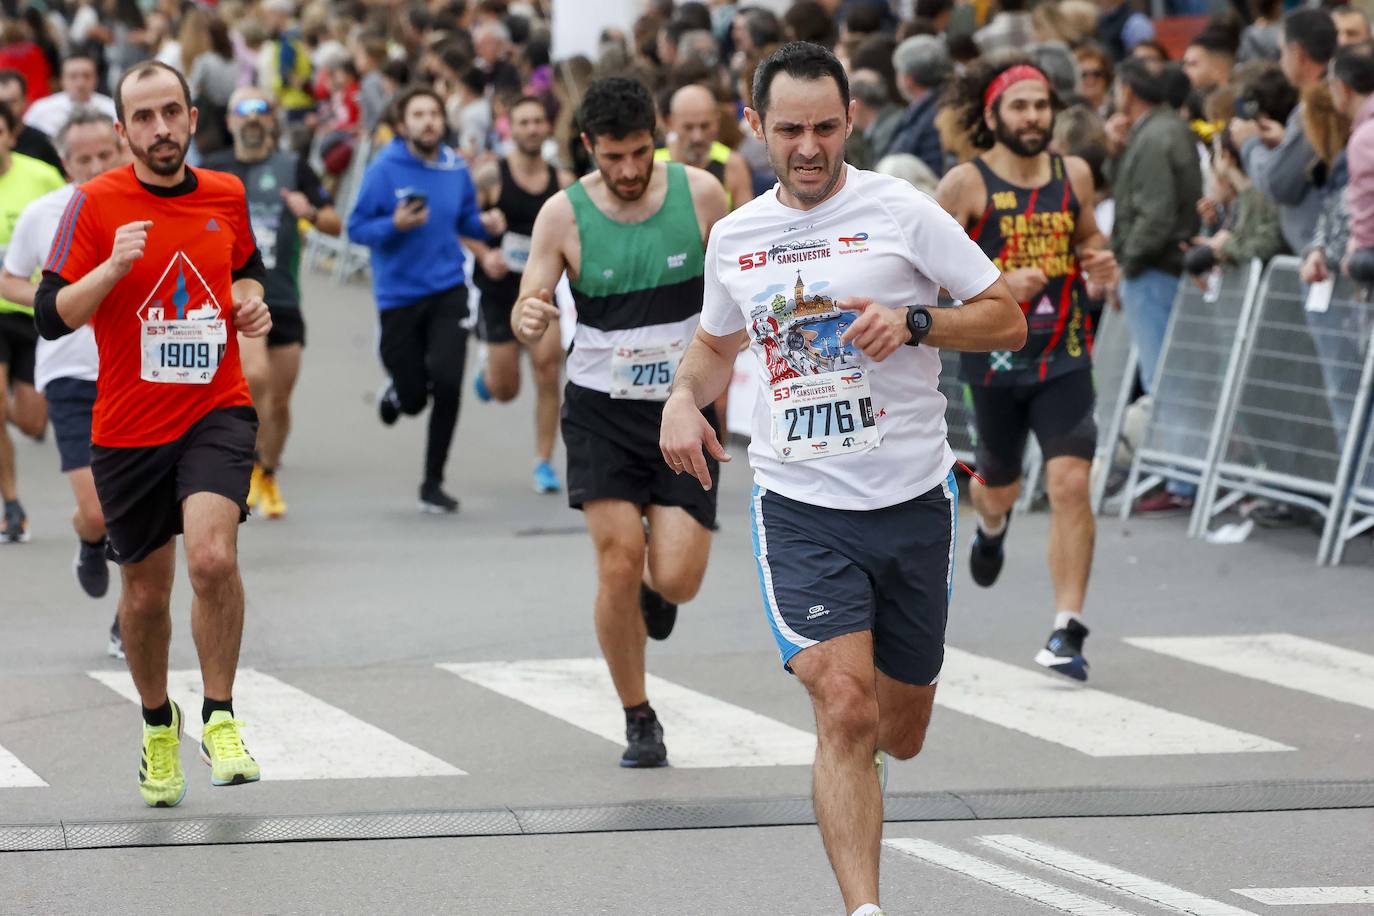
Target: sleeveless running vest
<point>1034,227</point>
<point>520,208</point>
<point>639,284</point>
<point>719,155</point>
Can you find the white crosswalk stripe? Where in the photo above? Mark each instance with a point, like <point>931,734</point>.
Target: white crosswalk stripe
<point>1014,882</point>
<point>1278,658</point>
<point>1308,896</point>
<point>701,731</point>
<point>294,735</point>
<point>1138,886</point>
<point>14,775</point>
<point>1092,721</point>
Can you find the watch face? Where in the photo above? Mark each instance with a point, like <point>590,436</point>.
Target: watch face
<point>920,319</point>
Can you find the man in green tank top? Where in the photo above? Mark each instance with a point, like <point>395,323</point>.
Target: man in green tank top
<point>631,237</point>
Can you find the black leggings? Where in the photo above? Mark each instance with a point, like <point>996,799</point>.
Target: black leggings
<point>424,347</point>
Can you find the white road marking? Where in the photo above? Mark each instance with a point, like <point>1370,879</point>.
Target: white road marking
<point>1307,896</point>
<point>1138,886</point>
<point>1031,888</point>
<point>294,735</point>
<point>1279,658</point>
<point>14,775</point>
<point>1096,723</point>
<point>700,730</point>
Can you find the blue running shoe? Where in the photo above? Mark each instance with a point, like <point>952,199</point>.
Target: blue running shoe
<point>546,478</point>
<point>479,387</point>
<point>1064,652</point>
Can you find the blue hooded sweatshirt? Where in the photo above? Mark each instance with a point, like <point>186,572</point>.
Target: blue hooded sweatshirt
<point>412,265</point>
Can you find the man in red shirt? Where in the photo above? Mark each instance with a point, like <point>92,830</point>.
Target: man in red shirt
<point>161,258</point>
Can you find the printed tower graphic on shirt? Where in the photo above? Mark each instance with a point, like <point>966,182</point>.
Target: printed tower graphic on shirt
<point>180,294</point>
<point>801,335</point>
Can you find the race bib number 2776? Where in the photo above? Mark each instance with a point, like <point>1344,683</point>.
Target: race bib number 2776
<point>823,415</point>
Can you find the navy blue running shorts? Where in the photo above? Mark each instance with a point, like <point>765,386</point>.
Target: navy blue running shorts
<point>829,572</point>
<point>71,402</point>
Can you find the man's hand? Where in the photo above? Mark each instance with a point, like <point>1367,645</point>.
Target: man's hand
<point>1118,130</point>
<point>410,214</point>
<point>1209,210</point>
<point>129,242</point>
<point>534,314</point>
<point>878,331</point>
<point>299,205</point>
<point>684,434</point>
<point>1026,282</point>
<point>1271,132</point>
<point>494,263</point>
<point>1100,270</point>
<point>251,317</point>
<point>1314,269</point>
<point>494,221</point>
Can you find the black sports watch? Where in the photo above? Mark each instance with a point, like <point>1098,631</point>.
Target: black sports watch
<point>918,323</point>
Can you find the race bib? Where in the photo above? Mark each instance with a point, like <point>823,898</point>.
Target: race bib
<point>516,248</point>
<point>820,416</point>
<point>182,352</point>
<point>645,373</point>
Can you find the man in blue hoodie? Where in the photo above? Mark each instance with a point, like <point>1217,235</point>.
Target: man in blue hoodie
<point>415,202</point>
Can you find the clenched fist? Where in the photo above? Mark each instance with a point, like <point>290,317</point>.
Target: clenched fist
<point>129,242</point>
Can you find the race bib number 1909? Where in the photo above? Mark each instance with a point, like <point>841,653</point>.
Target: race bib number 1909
<point>182,352</point>
<point>823,415</point>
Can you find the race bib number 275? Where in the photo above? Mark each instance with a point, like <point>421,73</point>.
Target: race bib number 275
<point>823,415</point>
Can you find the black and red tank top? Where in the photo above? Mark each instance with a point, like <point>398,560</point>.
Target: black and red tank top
<point>1035,227</point>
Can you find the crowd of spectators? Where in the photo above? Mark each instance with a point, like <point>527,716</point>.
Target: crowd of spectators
<point>1254,139</point>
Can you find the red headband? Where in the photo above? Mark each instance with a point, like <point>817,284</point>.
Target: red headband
<point>1007,78</point>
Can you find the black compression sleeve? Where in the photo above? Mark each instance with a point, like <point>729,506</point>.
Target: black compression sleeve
<point>45,314</point>
<point>252,269</point>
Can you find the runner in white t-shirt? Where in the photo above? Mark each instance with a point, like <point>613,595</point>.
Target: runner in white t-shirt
<point>854,507</point>
<point>65,370</point>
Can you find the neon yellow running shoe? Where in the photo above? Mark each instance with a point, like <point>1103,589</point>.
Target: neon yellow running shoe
<point>221,746</point>
<point>160,780</point>
<point>255,487</point>
<point>272,505</point>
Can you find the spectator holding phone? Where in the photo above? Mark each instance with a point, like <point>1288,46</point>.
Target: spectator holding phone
<point>416,200</point>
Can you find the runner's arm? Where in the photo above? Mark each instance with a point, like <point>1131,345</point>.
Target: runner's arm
<point>958,193</point>
<point>1095,256</point>
<point>708,197</point>
<point>534,308</point>
<point>988,321</point>
<point>739,181</point>
<point>706,367</point>
<point>326,218</point>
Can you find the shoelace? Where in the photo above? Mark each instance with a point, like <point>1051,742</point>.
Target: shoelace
<point>162,750</point>
<point>225,740</point>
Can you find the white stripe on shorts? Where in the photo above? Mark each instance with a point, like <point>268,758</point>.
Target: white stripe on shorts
<point>791,635</point>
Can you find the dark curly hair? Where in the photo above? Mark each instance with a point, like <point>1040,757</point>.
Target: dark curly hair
<point>964,96</point>
<point>616,107</point>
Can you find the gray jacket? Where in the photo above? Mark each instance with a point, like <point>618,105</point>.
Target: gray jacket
<point>1157,185</point>
<point>1285,174</point>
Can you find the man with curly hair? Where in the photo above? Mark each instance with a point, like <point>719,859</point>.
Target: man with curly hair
<point>1031,211</point>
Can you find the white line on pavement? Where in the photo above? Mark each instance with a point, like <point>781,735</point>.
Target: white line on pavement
<point>1278,658</point>
<point>14,775</point>
<point>1098,724</point>
<point>294,735</point>
<point>1051,895</point>
<point>1173,898</point>
<point>1307,896</point>
<point>700,730</point>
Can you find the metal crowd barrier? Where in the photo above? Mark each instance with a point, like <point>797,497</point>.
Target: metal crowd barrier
<point>1114,372</point>
<point>349,257</point>
<point>1292,430</point>
<point>963,435</point>
<point>1196,374</point>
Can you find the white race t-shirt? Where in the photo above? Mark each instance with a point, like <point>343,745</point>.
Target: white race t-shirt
<point>72,356</point>
<point>780,273</point>
<point>51,113</point>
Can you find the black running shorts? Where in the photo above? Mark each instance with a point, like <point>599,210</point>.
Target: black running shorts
<point>613,454</point>
<point>494,310</point>
<point>141,489</point>
<point>18,341</point>
<point>288,327</point>
<point>1059,411</point>
<point>826,573</point>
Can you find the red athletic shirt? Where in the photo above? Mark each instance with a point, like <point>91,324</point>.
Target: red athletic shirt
<point>195,243</point>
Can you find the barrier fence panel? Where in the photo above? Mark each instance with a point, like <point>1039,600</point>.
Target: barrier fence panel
<point>1197,370</point>
<point>1114,373</point>
<point>1359,509</point>
<point>1290,432</point>
<point>349,257</point>
<point>963,435</point>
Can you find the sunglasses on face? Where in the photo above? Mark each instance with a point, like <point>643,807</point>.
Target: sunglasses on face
<point>248,107</point>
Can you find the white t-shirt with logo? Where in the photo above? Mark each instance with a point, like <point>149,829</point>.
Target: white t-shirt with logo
<point>72,356</point>
<point>779,273</point>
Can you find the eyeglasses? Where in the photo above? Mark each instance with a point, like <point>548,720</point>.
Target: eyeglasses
<point>1093,74</point>
<point>246,107</point>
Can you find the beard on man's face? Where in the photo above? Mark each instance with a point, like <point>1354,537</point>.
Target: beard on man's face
<point>1029,141</point>
<point>164,157</point>
<point>252,134</point>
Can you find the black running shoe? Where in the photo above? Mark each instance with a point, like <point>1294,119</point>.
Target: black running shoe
<point>389,406</point>
<point>434,501</point>
<point>986,556</point>
<point>16,529</point>
<point>1064,652</point>
<point>659,615</point>
<point>644,736</point>
<point>92,572</point>
<point>115,649</point>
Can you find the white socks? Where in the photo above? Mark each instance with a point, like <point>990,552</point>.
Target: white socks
<point>868,909</point>
<point>1061,620</point>
<point>993,531</point>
